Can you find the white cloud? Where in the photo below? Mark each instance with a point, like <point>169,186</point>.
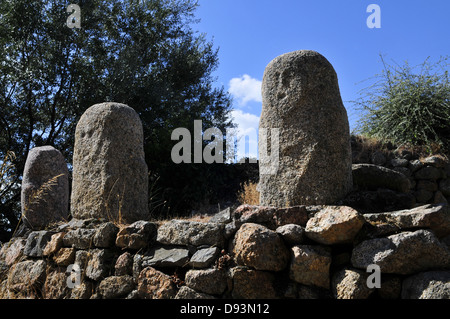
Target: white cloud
<point>245,89</point>
<point>247,125</point>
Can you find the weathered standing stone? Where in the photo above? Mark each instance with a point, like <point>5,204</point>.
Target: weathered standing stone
<point>45,188</point>
<point>109,171</point>
<point>301,98</point>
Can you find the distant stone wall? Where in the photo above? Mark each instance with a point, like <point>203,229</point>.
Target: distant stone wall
<point>305,252</point>
<point>397,179</point>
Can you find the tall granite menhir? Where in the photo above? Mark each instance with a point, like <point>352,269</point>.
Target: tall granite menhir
<point>110,176</point>
<point>301,98</point>
<point>45,188</point>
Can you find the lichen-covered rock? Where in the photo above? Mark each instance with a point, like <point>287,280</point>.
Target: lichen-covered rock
<point>203,258</point>
<point>310,265</point>
<point>252,284</point>
<point>36,243</point>
<point>27,275</point>
<point>45,188</point>
<point>55,243</point>
<point>334,225</point>
<point>110,177</point>
<point>427,285</point>
<point>124,264</point>
<point>292,234</point>
<point>137,235</point>
<point>105,236</point>
<point>12,252</point>
<point>314,165</point>
<point>99,263</point>
<point>212,281</point>
<point>65,256</point>
<point>55,286</point>
<point>261,248</point>
<point>153,284</point>
<point>434,217</point>
<point>166,257</point>
<point>116,286</point>
<point>80,238</point>
<point>404,253</point>
<point>350,284</point>
<point>189,293</point>
<point>183,232</point>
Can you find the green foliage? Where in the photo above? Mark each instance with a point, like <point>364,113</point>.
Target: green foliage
<point>408,107</point>
<point>141,53</point>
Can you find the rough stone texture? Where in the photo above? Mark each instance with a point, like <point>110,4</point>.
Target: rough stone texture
<point>404,253</point>
<point>189,293</point>
<point>211,281</point>
<point>334,225</point>
<point>371,177</point>
<point>259,247</point>
<point>435,217</point>
<point>65,256</point>
<point>153,284</point>
<point>301,98</point>
<point>45,188</point>
<point>26,275</point>
<point>350,284</point>
<point>36,243</point>
<point>292,234</point>
<point>99,262</point>
<point>80,238</point>
<point>182,232</point>
<point>310,265</point>
<point>252,284</point>
<point>427,285</point>
<point>271,217</point>
<point>12,251</point>
<point>116,286</point>
<point>105,236</point>
<point>137,235</point>
<point>110,177</point>
<point>55,243</point>
<point>124,264</point>
<point>55,286</point>
<point>202,258</point>
<point>166,257</point>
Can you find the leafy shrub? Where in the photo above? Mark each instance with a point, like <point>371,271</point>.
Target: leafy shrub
<point>408,107</point>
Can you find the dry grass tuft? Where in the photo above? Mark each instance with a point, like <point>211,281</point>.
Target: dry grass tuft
<point>249,194</point>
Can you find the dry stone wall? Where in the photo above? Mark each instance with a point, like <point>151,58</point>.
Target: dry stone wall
<point>306,252</point>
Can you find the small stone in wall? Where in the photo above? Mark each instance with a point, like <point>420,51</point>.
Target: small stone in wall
<point>261,248</point>
<point>334,225</point>
<point>310,265</point>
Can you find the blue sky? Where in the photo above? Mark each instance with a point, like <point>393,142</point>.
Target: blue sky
<point>250,33</point>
